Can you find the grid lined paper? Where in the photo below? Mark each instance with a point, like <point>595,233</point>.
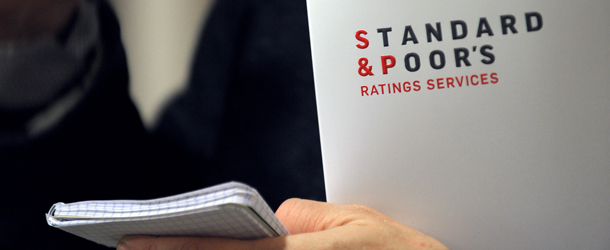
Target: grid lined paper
<point>231,210</point>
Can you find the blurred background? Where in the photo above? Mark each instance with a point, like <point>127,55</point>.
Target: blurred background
<point>159,38</point>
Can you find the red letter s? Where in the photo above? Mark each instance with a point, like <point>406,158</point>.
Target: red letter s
<point>360,37</point>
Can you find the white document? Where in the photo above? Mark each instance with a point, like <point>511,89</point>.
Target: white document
<point>230,210</point>
<point>485,124</point>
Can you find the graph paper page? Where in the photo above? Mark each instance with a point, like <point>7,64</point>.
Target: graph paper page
<point>231,210</point>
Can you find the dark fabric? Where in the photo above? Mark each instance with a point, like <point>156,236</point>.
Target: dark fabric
<point>99,151</point>
<point>249,113</point>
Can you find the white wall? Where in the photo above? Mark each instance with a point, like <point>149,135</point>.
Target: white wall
<point>159,37</point>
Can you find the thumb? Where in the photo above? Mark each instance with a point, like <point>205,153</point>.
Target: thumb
<point>306,216</point>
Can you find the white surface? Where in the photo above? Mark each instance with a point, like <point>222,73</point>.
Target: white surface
<point>160,37</point>
<point>520,164</point>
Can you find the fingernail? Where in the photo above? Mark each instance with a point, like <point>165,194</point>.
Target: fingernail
<point>124,243</point>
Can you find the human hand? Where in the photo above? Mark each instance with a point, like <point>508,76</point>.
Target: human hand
<point>22,20</point>
<point>313,225</point>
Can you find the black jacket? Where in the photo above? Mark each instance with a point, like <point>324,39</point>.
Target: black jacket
<point>249,113</point>
<point>100,150</point>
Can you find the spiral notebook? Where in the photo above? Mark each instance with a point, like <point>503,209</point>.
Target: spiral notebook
<point>230,210</point>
